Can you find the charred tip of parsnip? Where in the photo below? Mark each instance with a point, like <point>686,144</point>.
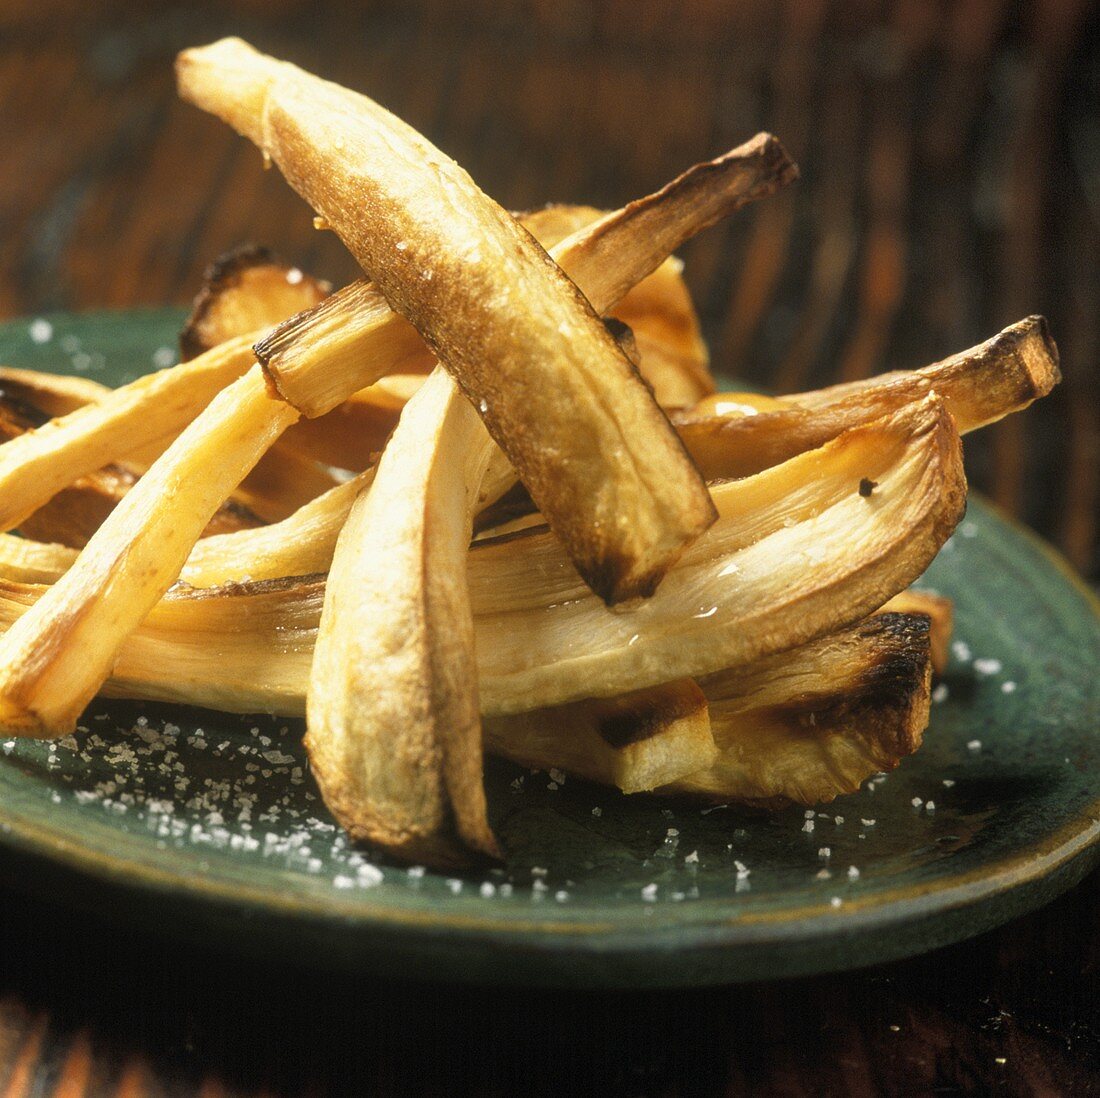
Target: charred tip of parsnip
<point>53,394</point>
<point>940,612</point>
<point>245,289</point>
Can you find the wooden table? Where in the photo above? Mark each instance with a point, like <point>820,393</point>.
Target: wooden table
<point>951,184</point>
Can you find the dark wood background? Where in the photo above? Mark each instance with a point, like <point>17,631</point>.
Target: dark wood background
<point>951,184</point>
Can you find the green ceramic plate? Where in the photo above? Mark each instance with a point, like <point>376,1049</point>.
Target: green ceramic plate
<point>209,823</point>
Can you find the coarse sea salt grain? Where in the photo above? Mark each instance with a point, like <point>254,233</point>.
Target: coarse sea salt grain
<point>692,858</point>
<point>853,873</point>
<point>836,901</point>
<point>808,826</point>
<point>916,802</point>
<point>961,650</point>
<point>1008,687</point>
<point>986,666</point>
<point>40,330</point>
<point>824,852</point>
<point>940,693</point>
<point>649,892</point>
<point>948,783</point>
<point>974,746</point>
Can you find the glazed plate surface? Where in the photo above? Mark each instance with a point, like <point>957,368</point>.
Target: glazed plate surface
<point>205,823</point>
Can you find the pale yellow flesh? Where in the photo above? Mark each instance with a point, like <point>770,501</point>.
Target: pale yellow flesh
<point>57,656</point>
<point>35,467</point>
<point>393,712</point>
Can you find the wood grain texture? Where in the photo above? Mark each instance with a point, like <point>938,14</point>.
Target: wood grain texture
<point>951,184</point>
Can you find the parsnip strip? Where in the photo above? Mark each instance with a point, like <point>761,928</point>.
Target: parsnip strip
<point>554,390</point>
<point>979,386</point>
<point>797,552</point>
<point>808,725</point>
<point>55,658</point>
<point>245,290</point>
<point>35,467</point>
<point>393,712</point>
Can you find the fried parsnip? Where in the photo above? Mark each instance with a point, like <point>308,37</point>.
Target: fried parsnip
<point>979,386</point>
<point>808,729</point>
<point>393,719</point>
<point>552,386</point>
<point>796,553</point>
<point>35,467</point>
<point>55,658</point>
<point>245,290</point>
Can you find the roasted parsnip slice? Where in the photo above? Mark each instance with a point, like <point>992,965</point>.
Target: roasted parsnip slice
<point>638,741</point>
<point>246,290</point>
<point>810,728</point>
<point>1005,374</point>
<point>35,467</point>
<point>526,347</point>
<point>54,659</point>
<point>797,552</point>
<point>394,727</point>
<point>979,386</point>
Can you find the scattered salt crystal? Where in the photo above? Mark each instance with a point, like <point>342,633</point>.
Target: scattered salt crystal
<point>343,882</point>
<point>808,814</point>
<point>561,895</point>
<point>40,331</point>
<point>867,823</point>
<point>692,858</point>
<point>822,875</point>
<point>164,356</point>
<point>672,832</point>
<point>552,786</point>
<point>969,529</point>
<point>808,826</point>
<point>853,873</point>
<point>597,811</point>
<point>939,694</point>
<point>454,885</point>
<point>538,871</point>
<point>505,889</point>
<point>836,901</point>
<point>294,276</point>
<point>1008,687</point>
<point>838,820</point>
<point>487,889</point>
<point>987,666</point>
<point>825,852</point>
<point>974,745</point>
<point>916,802</point>
<point>961,650</point>
<point>930,806</point>
<point>649,893</point>
<point>557,775</point>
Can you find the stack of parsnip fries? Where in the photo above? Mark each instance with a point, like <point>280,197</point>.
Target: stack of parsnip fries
<point>487,498</point>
